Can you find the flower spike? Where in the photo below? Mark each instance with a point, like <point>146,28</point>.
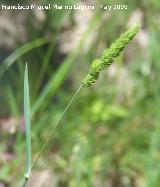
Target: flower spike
<point>109,55</point>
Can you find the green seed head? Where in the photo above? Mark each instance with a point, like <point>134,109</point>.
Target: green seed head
<point>109,55</point>
<point>93,74</point>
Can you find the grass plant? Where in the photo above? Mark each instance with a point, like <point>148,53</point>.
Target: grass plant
<point>95,69</point>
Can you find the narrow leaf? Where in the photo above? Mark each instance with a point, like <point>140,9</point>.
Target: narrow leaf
<point>27,123</point>
<point>19,53</point>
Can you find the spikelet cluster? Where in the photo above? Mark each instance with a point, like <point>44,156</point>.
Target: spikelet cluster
<point>109,55</point>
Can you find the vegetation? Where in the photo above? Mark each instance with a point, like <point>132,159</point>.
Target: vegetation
<point>110,135</point>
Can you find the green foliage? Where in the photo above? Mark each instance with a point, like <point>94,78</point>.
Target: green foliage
<point>110,136</point>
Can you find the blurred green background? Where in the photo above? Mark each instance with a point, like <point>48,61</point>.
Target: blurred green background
<point>111,135</point>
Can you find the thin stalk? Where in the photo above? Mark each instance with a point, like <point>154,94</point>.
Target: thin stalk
<point>58,122</point>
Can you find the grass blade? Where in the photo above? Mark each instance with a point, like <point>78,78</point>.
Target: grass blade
<point>20,52</point>
<point>27,123</point>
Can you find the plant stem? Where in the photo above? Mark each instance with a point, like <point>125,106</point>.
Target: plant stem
<point>52,131</point>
